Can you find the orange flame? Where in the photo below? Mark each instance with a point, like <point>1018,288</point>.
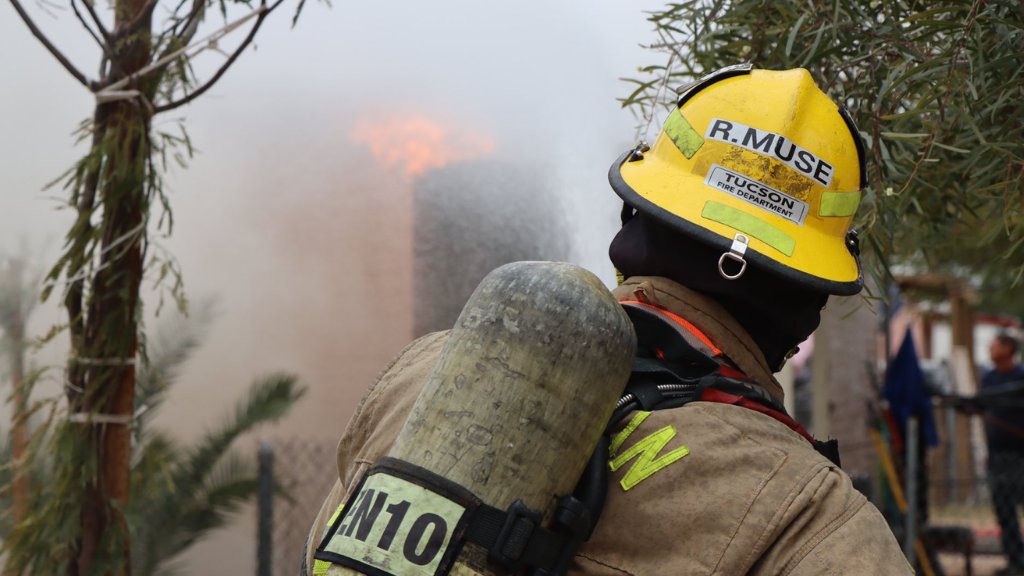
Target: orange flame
<point>417,144</point>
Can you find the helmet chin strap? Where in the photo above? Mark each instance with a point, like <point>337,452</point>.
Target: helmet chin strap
<point>792,352</point>
<point>637,153</point>
<point>853,242</point>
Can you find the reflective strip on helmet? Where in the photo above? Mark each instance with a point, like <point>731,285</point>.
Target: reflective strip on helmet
<point>751,225</point>
<point>839,204</point>
<point>682,134</point>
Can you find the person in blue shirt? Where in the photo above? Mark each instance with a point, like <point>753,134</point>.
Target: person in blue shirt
<point>1002,390</point>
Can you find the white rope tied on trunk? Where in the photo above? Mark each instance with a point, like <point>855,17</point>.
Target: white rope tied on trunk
<point>91,418</point>
<point>85,361</point>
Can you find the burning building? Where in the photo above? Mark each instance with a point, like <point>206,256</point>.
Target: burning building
<point>468,219</point>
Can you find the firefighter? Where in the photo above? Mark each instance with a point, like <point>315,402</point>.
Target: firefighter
<point>736,229</point>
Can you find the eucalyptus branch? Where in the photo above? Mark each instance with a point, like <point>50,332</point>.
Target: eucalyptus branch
<point>50,47</point>
<point>103,45</point>
<point>175,21</point>
<point>96,19</point>
<point>184,37</point>
<point>192,22</point>
<point>972,17</point>
<point>108,261</point>
<point>161,63</point>
<point>227,64</point>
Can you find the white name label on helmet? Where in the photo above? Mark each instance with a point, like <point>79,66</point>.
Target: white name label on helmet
<point>756,193</point>
<point>774,146</point>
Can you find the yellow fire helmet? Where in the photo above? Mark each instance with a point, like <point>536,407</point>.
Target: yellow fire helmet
<point>763,165</point>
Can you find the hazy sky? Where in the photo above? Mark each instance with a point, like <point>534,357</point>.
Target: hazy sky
<point>536,79</point>
<point>272,202</point>
<point>540,78</point>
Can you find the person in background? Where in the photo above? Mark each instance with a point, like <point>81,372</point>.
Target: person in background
<point>1004,430</point>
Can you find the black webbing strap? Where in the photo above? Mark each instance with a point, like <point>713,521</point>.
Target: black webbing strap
<point>514,538</point>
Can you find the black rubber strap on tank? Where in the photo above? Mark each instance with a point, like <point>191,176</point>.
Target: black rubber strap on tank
<point>516,539</point>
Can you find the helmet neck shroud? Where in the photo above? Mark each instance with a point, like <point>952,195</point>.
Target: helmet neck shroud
<point>777,314</point>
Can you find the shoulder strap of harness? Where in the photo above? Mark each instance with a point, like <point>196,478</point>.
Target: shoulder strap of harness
<point>676,364</point>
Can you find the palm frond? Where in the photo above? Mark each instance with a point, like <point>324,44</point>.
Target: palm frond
<point>267,401</point>
<point>190,492</point>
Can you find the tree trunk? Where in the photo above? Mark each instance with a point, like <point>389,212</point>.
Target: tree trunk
<point>106,351</point>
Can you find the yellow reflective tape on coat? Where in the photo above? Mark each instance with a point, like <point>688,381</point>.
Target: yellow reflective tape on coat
<point>839,204</point>
<point>619,438</point>
<point>645,451</point>
<point>320,567</point>
<point>749,225</point>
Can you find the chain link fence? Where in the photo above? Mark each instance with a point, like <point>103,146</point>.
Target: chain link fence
<point>304,471</point>
<point>964,502</point>
<point>975,492</point>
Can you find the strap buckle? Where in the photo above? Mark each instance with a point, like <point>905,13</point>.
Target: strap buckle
<point>523,543</point>
<point>510,546</point>
<point>573,524</point>
<point>735,253</point>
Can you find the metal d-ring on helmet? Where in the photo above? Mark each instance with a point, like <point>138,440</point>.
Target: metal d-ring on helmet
<point>763,165</point>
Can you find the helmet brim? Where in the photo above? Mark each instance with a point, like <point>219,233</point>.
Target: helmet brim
<point>718,236</point>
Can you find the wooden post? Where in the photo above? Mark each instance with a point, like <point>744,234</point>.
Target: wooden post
<point>265,510</point>
<point>821,377</point>
<point>519,398</point>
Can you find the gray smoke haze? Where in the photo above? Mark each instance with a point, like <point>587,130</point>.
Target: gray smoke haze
<point>290,217</point>
<point>470,218</point>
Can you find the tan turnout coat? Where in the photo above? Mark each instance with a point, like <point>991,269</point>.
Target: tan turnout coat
<point>732,491</point>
